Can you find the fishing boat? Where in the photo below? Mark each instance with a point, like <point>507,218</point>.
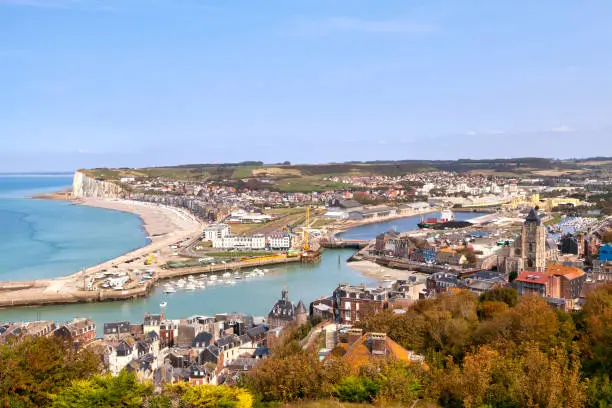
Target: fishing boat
<point>227,275</point>
<point>163,304</point>
<point>191,286</point>
<point>169,289</point>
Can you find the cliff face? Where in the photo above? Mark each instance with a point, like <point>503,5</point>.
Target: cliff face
<point>87,187</point>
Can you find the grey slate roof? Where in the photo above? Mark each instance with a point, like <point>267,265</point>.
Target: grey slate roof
<point>533,217</point>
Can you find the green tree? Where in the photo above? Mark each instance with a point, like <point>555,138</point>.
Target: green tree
<point>34,368</point>
<point>356,389</point>
<point>501,294</point>
<point>104,391</point>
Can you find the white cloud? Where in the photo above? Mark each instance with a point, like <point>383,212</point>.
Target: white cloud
<point>470,133</point>
<point>561,129</point>
<point>331,25</point>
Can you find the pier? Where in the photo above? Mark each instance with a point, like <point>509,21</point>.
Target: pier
<point>336,243</point>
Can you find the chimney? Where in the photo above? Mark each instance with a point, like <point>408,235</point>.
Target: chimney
<point>354,335</point>
<point>379,344</point>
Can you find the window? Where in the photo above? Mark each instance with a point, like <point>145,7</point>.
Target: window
<point>347,305</point>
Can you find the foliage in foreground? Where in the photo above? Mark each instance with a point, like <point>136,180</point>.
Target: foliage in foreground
<point>496,351</point>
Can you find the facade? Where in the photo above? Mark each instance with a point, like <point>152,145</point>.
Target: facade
<point>605,252</point>
<point>354,303</point>
<point>441,282</point>
<point>214,231</point>
<point>532,283</point>
<point>567,281</point>
<point>256,241</point>
<point>284,312</point>
<point>280,241</point>
<point>116,331</point>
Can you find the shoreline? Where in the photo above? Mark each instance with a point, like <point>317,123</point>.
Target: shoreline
<point>345,225</point>
<point>164,226</point>
<point>378,272</point>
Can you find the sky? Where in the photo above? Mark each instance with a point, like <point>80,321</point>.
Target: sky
<point>130,83</point>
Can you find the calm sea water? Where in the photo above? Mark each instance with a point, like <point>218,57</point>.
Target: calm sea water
<point>370,231</point>
<point>254,296</point>
<point>43,238</point>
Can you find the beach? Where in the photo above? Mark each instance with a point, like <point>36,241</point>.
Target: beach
<point>378,272</point>
<point>165,226</point>
<point>157,220</point>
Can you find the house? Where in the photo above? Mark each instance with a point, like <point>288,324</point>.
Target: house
<point>484,281</point>
<point>362,348</point>
<point>441,282</point>
<point>202,340</point>
<point>116,330</point>
<point>284,312</point>
<point>605,252</point>
<point>447,256</point>
<point>567,281</point>
<point>323,308</point>
<point>152,322</point>
<point>168,332</point>
<point>280,241</point>
<point>118,356</point>
<point>39,328</point>
<point>354,303</point>
<point>81,330</point>
<point>532,282</point>
<point>213,231</point>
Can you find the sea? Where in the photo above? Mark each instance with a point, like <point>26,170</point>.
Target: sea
<point>43,239</point>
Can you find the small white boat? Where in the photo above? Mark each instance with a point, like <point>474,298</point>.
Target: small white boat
<point>227,275</point>
<point>169,290</point>
<point>201,285</point>
<point>266,270</point>
<point>231,282</point>
<point>190,278</point>
<point>163,304</point>
<point>190,286</point>
<point>213,277</point>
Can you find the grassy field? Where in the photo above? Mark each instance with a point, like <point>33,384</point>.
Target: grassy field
<point>309,178</point>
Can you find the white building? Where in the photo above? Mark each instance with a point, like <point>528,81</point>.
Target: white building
<point>280,241</point>
<point>257,241</point>
<point>213,231</point>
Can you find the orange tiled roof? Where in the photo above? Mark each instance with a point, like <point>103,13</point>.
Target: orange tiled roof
<point>562,270</point>
<point>359,353</point>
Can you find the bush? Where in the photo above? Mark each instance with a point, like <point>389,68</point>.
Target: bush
<point>211,396</point>
<point>356,389</point>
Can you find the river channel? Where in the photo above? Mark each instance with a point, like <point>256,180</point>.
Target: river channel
<point>254,296</point>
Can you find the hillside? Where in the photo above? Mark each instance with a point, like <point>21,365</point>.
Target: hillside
<point>305,177</point>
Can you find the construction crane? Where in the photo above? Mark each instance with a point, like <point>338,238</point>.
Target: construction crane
<point>306,231</point>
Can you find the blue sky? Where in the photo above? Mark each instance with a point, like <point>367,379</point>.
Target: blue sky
<point>87,83</point>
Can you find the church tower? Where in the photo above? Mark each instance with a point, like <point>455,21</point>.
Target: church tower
<point>533,246</point>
